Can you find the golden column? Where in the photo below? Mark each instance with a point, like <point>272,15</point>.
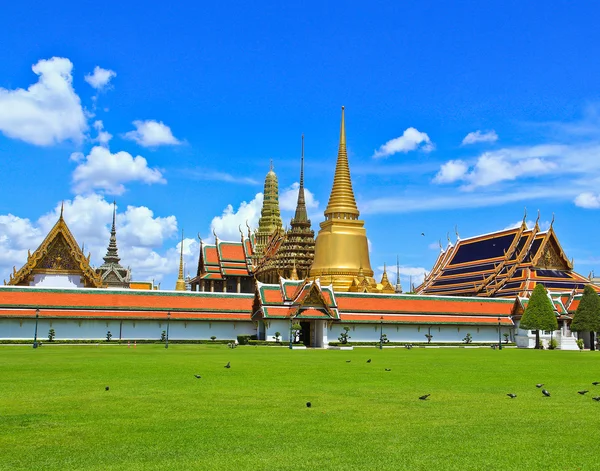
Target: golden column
<point>180,283</point>
<point>341,248</point>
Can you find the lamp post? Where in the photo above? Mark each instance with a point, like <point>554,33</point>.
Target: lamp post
<point>499,335</point>
<point>291,329</point>
<point>167,339</point>
<point>37,315</point>
<point>381,333</point>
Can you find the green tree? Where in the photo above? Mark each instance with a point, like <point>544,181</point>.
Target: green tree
<point>587,315</point>
<point>539,314</point>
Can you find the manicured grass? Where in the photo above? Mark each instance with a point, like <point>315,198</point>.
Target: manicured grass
<point>56,414</point>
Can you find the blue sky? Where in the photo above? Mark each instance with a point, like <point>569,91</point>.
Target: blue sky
<point>190,102</point>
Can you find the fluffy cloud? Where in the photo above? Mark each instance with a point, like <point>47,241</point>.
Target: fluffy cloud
<point>152,134</point>
<point>227,225</point>
<point>451,171</point>
<point>407,274</point>
<point>219,177</point>
<point>141,237</point>
<point>480,136</point>
<point>588,200</point>
<point>100,78</point>
<point>49,111</point>
<point>103,136</point>
<point>288,198</point>
<point>411,139</point>
<point>102,170</point>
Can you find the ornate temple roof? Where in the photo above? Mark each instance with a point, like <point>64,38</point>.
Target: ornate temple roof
<point>506,263</point>
<point>225,258</point>
<point>293,251</point>
<point>112,272</point>
<point>57,254</point>
<point>270,216</point>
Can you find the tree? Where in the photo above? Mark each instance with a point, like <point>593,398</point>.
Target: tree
<point>587,315</point>
<point>539,314</point>
<point>51,335</point>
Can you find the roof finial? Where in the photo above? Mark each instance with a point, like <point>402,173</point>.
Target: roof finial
<point>448,237</point>
<point>456,231</point>
<point>538,218</point>
<point>271,165</point>
<point>552,222</point>
<point>441,246</point>
<point>215,234</point>
<point>199,238</point>
<point>249,230</point>
<point>241,233</point>
<point>180,284</point>
<point>62,208</point>
<point>525,217</point>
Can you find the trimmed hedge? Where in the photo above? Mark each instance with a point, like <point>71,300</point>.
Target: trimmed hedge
<point>415,344</point>
<point>115,342</point>
<point>268,344</point>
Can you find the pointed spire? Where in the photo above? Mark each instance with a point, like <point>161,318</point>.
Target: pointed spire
<point>112,252</point>
<point>294,275</point>
<point>180,284</point>
<point>301,215</point>
<point>62,209</point>
<point>384,277</point>
<point>341,200</point>
<point>398,284</point>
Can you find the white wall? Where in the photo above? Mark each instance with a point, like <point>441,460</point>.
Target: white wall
<point>67,329</point>
<point>57,281</point>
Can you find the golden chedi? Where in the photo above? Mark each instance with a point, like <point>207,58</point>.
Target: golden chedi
<point>341,248</point>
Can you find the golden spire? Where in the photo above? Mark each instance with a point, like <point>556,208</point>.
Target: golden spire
<point>294,275</point>
<point>342,204</point>
<point>180,284</point>
<point>62,208</point>
<point>384,277</point>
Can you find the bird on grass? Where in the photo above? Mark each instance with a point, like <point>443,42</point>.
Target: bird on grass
<point>424,397</point>
<point>388,369</point>
<point>596,383</point>
<point>369,360</point>
<point>228,365</point>
<point>545,393</point>
<point>511,395</point>
<point>582,392</point>
<point>597,398</point>
<point>106,388</point>
<point>348,361</point>
<point>539,385</point>
<point>308,404</point>
<point>197,376</point>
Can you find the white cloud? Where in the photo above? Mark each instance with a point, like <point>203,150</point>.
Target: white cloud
<point>100,78</point>
<point>407,274</point>
<point>49,111</point>
<point>410,140</point>
<point>288,198</point>
<point>141,237</point>
<point>480,136</point>
<point>227,225</point>
<point>451,171</point>
<point>588,200</point>
<point>219,177</point>
<point>434,246</point>
<point>151,133</point>
<point>103,136</point>
<point>102,170</point>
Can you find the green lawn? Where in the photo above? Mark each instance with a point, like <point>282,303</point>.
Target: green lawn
<point>56,414</point>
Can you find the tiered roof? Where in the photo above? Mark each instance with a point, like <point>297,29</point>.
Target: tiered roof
<point>506,263</point>
<point>224,258</point>
<point>270,216</point>
<point>124,304</point>
<point>112,272</point>
<point>57,254</point>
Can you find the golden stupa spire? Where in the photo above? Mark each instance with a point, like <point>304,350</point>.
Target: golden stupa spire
<point>341,201</point>
<point>180,284</point>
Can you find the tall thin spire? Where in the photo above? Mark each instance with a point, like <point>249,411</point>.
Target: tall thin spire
<point>112,252</point>
<point>180,284</point>
<point>301,214</point>
<point>341,201</point>
<point>398,284</point>
<point>113,273</point>
<point>62,208</point>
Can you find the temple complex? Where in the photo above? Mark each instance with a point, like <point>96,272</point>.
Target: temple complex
<point>506,263</point>
<point>290,255</point>
<point>113,274</point>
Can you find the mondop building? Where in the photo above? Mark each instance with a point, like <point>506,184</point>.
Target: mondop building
<point>271,279</point>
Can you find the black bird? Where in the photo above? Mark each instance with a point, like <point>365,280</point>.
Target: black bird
<point>582,392</point>
<point>511,395</point>
<point>388,369</point>
<point>597,398</point>
<point>348,361</point>
<point>369,360</point>
<point>545,393</point>
<point>422,233</point>
<point>424,397</point>
<point>308,404</point>
<point>106,388</point>
<point>228,365</point>
<point>197,376</point>
<point>596,383</point>
<point>539,385</point>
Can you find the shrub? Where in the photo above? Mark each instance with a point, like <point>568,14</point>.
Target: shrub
<point>213,337</point>
<point>384,338</point>
<point>468,338</point>
<point>506,337</point>
<point>277,335</point>
<point>108,336</point>
<point>163,336</point>
<point>580,344</point>
<point>553,344</point>
<point>343,338</point>
<point>429,337</point>
<point>51,335</point>
<point>243,339</point>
